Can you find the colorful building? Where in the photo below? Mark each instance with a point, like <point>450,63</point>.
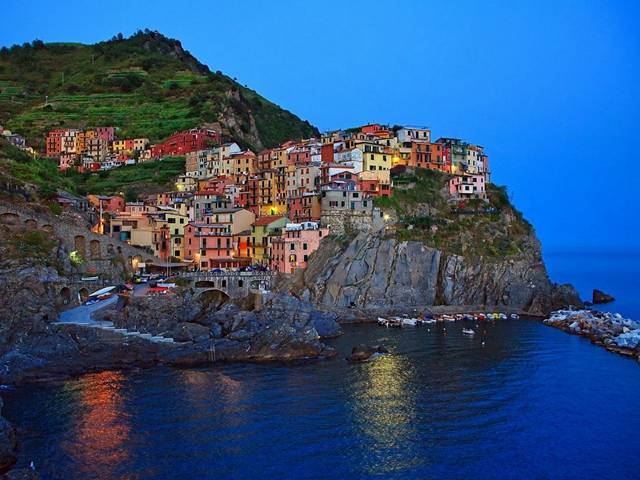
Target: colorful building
<point>291,250</point>
<point>262,230</point>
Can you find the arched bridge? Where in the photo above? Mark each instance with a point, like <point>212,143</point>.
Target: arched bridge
<point>233,284</point>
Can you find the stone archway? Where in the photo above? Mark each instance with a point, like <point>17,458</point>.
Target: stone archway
<point>110,249</point>
<point>64,298</point>
<point>83,293</point>
<point>8,218</point>
<point>80,245</point>
<point>30,224</point>
<point>94,249</point>
<point>212,299</point>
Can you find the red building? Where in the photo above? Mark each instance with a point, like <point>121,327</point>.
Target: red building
<point>326,153</point>
<point>54,143</point>
<point>371,128</point>
<point>249,197</point>
<point>440,157</point>
<point>184,142</point>
<point>370,187</point>
<point>299,157</point>
<point>304,208</point>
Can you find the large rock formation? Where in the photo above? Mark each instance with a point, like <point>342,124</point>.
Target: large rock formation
<point>372,271</point>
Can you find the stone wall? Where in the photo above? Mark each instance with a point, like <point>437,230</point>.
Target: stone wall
<point>101,254</point>
<point>347,221</point>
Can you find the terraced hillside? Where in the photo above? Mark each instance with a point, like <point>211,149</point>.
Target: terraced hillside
<point>146,85</point>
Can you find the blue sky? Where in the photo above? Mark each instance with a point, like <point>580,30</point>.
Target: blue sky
<point>550,88</point>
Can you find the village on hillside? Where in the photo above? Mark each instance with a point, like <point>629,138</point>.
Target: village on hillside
<point>234,209</point>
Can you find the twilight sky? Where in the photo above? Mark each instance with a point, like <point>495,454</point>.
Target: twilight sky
<point>550,88</point>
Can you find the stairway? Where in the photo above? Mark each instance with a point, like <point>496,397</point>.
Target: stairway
<point>109,326</point>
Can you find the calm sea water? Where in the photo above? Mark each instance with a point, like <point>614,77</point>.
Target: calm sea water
<point>616,272</point>
<point>532,402</point>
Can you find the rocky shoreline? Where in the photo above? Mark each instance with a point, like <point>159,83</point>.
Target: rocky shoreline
<point>609,330</point>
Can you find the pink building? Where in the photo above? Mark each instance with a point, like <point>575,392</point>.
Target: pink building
<point>66,161</point>
<point>212,245</point>
<point>290,251</point>
<point>106,133</point>
<point>468,185</point>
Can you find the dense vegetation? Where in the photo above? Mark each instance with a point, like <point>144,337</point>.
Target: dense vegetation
<point>474,227</point>
<point>146,85</point>
<point>40,176</point>
<point>131,180</point>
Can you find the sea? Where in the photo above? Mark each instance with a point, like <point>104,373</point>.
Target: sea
<point>519,400</point>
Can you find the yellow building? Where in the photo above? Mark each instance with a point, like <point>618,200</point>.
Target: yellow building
<point>260,240</point>
<point>376,159</point>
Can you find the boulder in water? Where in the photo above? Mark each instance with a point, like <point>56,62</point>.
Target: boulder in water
<point>362,353</point>
<point>600,297</point>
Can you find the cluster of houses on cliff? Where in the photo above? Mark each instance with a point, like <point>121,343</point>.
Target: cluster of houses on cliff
<point>234,208</point>
<point>99,148</point>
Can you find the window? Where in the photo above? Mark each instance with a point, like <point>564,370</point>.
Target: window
<point>292,246</point>
<point>304,246</point>
<point>176,253</point>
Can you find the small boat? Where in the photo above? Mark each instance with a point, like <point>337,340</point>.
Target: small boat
<point>468,331</point>
<point>514,316</point>
<point>395,322</point>
<point>410,321</point>
<point>502,316</point>
<point>481,316</point>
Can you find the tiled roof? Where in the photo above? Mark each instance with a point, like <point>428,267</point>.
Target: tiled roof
<point>267,220</point>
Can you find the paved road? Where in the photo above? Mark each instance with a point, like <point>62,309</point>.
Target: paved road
<point>82,314</point>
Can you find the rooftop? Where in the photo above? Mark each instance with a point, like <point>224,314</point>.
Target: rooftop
<point>267,220</point>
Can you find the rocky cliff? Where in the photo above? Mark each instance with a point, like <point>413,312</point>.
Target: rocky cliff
<point>372,271</point>
<point>437,253</point>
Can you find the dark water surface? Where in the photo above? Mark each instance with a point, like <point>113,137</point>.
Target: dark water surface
<point>616,272</point>
<point>533,402</point>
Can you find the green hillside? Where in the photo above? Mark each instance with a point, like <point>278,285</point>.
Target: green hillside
<point>473,227</point>
<point>41,178</point>
<point>146,85</point>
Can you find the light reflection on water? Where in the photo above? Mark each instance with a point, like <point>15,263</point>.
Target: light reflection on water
<point>100,431</point>
<point>533,402</point>
<point>384,409</point>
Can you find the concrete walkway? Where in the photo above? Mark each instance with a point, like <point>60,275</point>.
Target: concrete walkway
<point>83,316</point>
